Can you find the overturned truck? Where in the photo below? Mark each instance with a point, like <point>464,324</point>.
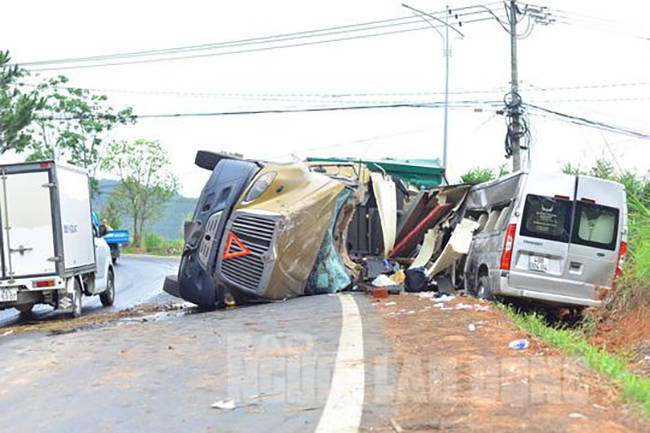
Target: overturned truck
<point>266,231</point>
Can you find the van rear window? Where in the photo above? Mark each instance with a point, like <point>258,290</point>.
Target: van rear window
<point>546,218</point>
<point>595,226</point>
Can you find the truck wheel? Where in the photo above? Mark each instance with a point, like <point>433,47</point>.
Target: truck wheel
<point>25,310</point>
<point>76,301</point>
<point>108,296</point>
<point>484,289</point>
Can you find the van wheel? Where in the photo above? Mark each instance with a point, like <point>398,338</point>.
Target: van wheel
<point>484,289</point>
<point>76,301</point>
<point>108,296</point>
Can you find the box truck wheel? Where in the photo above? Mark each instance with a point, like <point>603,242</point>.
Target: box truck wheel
<point>25,310</point>
<point>484,289</point>
<point>76,300</point>
<point>108,296</point>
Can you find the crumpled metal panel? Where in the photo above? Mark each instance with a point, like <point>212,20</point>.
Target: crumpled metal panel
<point>306,202</point>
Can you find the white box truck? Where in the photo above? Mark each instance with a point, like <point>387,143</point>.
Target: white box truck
<point>51,252</point>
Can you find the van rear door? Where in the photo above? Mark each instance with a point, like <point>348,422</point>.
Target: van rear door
<point>541,244</point>
<point>596,235</point>
<point>27,228</point>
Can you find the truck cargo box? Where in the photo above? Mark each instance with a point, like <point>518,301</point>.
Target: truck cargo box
<point>45,217</point>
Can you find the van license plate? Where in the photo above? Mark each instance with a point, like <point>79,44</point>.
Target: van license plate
<point>8,295</point>
<point>538,263</point>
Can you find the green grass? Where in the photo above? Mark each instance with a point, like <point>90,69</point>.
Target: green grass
<point>156,245</point>
<point>633,389</point>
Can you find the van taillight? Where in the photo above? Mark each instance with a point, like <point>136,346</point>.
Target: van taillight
<point>619,263</point>
<point>508,246</point>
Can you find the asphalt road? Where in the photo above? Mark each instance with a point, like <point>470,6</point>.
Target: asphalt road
<point>139,279</point>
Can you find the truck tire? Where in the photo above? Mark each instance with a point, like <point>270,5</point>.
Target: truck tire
<point>108,296</point>
<point>115,253</point>
<point>76,300</point>
<point>484,289</point>
<point>25,310</point>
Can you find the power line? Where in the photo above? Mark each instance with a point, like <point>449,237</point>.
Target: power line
<point>245,50</point>
<point>343,96</point>
<point>593,123</point>
<point>265,39</point>
<point>462,104</point>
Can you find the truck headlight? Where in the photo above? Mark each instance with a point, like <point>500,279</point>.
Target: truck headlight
<point>259,187</point>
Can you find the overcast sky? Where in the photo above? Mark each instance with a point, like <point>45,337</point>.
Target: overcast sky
<point>602,49</point>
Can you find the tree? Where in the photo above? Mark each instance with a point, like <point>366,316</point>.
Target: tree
<point>478,175</point>
<point>17,107</point>
<point>146,182</point>
<point>74,126</point>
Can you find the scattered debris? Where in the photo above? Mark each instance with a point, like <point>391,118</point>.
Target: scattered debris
<point>519,344</point>
<point>382,281</point>
<point>396,426</point>
<point>471,327</point>
<point>388,304</point>
<point>577,415</point>
<point>7,333</point>
<point>379,293</point>
<point>223,405</point>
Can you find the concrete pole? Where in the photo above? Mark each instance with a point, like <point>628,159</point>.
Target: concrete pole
<point>447,55</point>
<point>514,87</point>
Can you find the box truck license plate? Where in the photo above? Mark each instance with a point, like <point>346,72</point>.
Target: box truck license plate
<point>8,295</point>
<point>538,263</point>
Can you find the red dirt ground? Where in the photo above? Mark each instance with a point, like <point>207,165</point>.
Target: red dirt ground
<point>454,378</point>
<point>627,333</point>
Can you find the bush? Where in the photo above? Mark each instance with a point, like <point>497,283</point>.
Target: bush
<point>152,242</point>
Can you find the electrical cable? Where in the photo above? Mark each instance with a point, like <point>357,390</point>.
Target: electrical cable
<point>246,42</point>
<point>271,111</point>
<point>593,123</point>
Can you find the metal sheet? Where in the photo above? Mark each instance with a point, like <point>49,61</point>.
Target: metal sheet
<point>386,197</point>
<point>458,245</point>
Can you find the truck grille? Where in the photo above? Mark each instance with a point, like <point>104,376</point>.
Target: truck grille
<point>256,233</point>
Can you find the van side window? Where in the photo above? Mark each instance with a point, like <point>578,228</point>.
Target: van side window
<point>546,218</point>
<point>595,226</point>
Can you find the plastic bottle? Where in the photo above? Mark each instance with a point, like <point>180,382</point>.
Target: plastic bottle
<point>519,344</point>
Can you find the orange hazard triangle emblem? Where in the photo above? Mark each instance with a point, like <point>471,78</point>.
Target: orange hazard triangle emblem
<point>227,254</point>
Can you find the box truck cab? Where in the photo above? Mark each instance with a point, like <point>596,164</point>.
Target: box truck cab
<point>50,253</point>
<point>553,238</point>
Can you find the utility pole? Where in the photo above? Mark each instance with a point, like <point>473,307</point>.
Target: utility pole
<point>514,107</point>
<point>447,54</point>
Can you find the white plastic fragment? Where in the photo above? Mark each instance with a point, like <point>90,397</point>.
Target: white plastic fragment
<point>382,281</point>
<point>577,415</point>
<point>444,298</point>
<point>471,327</point>
<point>8,333</point>
<point>388,304</point>
<point>224,405</point>
<point>519,344</point>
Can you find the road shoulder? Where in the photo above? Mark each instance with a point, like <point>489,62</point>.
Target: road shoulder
<point>456,371</point>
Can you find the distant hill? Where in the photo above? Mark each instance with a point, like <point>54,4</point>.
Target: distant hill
<point>168,225</point>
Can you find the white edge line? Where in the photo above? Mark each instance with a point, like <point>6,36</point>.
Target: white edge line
<point>344,405</point>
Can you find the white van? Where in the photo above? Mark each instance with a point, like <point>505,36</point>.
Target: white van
<point>553,238</point>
